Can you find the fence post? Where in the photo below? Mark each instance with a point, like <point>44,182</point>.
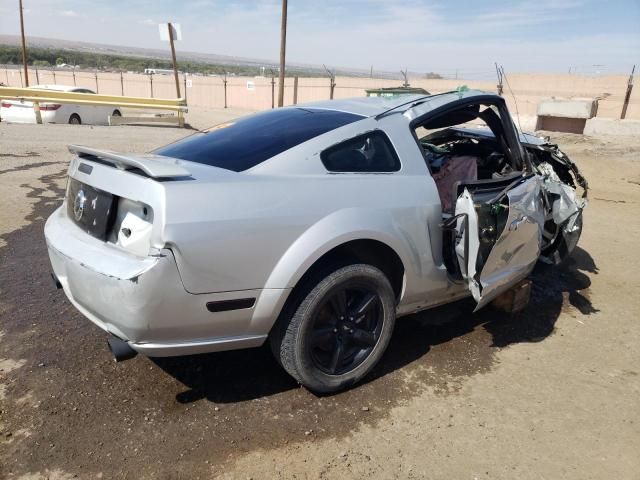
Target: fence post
<point>96,76</point>
<point>273,91</point>
<point>20,72</point>
<point>499,73</point>
<point>224,81</point>
<point>332,82</point>
<point>73,72</point>
<point>54,76</point>
<point>121,84</point>
<point>151,79</point>
<point>627,96</point>
<point>37,77</point>
<point>184,88</point>
<point>295,90</point>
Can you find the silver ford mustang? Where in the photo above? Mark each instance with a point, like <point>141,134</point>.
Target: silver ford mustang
<point>312,227</point>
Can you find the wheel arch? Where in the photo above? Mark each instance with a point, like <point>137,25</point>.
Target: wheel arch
<point>360,250</point>
<point>363,250</point>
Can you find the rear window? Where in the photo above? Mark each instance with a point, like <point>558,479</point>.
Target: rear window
<point>247,142</point>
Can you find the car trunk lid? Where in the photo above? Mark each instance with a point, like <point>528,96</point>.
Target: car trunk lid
<point>154,166</point>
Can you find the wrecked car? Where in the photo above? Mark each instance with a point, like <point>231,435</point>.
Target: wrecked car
<point>311,227</point>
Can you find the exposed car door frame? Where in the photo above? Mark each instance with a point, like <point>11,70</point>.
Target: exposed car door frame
<point>516,154</point>
<point>516,242</point>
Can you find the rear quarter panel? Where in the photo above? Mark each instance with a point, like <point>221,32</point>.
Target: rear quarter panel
<point>262,230</point>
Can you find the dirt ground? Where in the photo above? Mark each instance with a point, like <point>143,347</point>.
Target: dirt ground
<point>551,393</point>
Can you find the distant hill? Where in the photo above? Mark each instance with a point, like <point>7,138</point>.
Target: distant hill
<point>159,58</point>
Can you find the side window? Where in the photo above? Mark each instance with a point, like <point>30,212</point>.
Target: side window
<point>368,153</point>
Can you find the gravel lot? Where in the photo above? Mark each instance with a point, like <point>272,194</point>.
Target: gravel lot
<point>553,392</point>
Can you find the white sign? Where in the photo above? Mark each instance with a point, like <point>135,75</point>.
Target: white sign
<point>189,83</point>
<point>251,86</point>
<point>163,28</point>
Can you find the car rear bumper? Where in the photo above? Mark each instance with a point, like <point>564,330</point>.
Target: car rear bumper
<point>142,299</point>
<point>25,114</point>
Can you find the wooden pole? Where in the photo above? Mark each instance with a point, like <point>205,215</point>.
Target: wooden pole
<point>54,76</point>
<point>151,79</point>
<point>73,72</point>
<point>121,84</point>
<point>295,90</point>
<point>283,44</point>
<point>37,76</point>
<point>627,96</point>
<point>173,59</point>
<point>24,48</point>
<point>95,74</point>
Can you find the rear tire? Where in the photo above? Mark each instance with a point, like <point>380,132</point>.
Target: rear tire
<point>339,330</point>
<point>116,113</point>
<point>75,119</point>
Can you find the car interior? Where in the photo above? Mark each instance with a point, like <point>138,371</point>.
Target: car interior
<point>457,156</point>
<point>477,157</point>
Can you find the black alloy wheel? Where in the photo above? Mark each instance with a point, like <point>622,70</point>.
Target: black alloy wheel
<point>346,328</point>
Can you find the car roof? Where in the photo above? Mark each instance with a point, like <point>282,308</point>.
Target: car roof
<point>373,106</point>
<point>59,88</point>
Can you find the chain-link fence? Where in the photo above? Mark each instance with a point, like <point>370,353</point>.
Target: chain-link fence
<point>259,93</point>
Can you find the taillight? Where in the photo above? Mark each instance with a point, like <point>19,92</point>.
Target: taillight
<point>50,107</point>
<point>5,105</point>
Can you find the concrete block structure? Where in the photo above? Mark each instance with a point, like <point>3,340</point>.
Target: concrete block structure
<point>566,115</point>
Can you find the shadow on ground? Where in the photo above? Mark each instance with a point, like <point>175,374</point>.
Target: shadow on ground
<point>69,406</point>
<point>255,374</point>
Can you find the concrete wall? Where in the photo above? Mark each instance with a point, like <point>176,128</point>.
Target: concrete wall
<point>529,89</point>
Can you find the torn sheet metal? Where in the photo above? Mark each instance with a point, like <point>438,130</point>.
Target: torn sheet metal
<point>565,206</point>
<point>518,247</point>
<point>516,250</point>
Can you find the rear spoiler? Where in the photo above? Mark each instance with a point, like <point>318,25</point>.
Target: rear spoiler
<point>156,166</point>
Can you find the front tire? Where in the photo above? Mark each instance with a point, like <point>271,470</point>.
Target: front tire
<point>340,329</point>
<point>558,245</point>
<point>75,119</point>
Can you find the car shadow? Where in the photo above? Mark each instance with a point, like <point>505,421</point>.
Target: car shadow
<point>236,376</point>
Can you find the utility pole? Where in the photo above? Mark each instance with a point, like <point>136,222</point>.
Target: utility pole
<point>24,48</point>
<point>173,59</point>
<point>627,96</point>
<point>283,45</point>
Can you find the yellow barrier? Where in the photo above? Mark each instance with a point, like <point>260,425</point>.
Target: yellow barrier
<point>42,95</point>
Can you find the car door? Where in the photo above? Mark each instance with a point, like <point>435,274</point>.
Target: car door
<point>498,231</point>
<point>88,113</point>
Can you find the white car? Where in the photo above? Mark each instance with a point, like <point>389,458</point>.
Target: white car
<point>16,111</point>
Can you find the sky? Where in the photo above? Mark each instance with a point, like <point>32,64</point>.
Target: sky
<point>443,36</point>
